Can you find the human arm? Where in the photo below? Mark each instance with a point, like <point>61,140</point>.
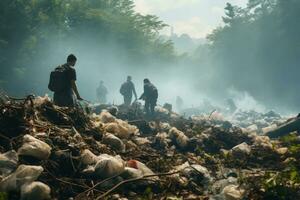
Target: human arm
<point>72,77</point>
<point>143,96</point>
<point>74,87</point>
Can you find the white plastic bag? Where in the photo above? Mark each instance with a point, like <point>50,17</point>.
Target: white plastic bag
<point>130,173</point>
<point>121,129</point>
<point>88,158</point>
<point>114,142</point>
<point>35,191</point>
<point>106,117</point>
<point>109,166</point>
<point>23,174</point>
<point>179,137</point>
<point>233,192</point>
<point>140,166</point>
<point>35,148</point>
<point>8,162</point>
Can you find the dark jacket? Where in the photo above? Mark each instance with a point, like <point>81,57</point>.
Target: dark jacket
<point>127,89</point>
<point>66,98</point>
<point>150,92</point>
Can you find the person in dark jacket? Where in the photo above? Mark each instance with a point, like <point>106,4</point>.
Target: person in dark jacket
<point>150,96</point>
<point>68,97</point>
<point>127,89</point>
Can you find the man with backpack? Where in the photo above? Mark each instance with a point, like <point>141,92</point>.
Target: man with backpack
<point>126,90</point>
<point>150,96</point>
<point>62,83</point>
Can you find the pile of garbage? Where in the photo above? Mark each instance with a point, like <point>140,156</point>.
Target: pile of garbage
<point>49,152</point>
<point>256,121</point>
<point>249,121</point>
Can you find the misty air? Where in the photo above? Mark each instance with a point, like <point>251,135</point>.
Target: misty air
<point>149,99</point>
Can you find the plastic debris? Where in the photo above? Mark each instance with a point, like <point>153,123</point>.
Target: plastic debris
<point>233,192</point>
<point>114,142</point>
<point>140,166</point>
<point>178,137</point>
<point>36,191</point>
<point>35,148</point>
<point>241,150</point>
<point>8,162</point>
<point>88,158</point>
<point>113,154</point>
<point>109,166</point>
<point>23,174</point>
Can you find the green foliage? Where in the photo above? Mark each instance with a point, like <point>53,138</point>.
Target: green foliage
<point>3,196</point>
<point>259,45</point>
<point>31,29</point>
<point>148,194</point>
<point>283,185</point>
<point>293,143</point>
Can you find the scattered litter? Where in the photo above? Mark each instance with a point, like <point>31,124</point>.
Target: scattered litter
<point>35,148</point>
<point>121,154</point>
<point>23,174</point>
<point>35,190</point>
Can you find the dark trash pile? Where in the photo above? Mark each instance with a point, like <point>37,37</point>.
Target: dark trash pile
<point>48,152</point>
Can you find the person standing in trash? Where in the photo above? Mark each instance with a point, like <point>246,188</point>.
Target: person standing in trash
<point>127,89</point>
<point>63,84</point>
<point>150,96</point>
<point>179,103</point>
<point>101,93</point>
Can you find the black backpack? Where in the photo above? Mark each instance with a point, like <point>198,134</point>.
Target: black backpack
<point>125,89</point>
<point>58,79</point>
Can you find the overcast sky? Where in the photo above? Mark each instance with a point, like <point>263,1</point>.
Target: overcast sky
<point>195,17</point>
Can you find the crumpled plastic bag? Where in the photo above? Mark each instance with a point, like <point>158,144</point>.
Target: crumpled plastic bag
<point>23,174</point>
<point>38,101</point>
<point>35,148</point>
<point>263,141</point>
<point>141,141</point>
<point>178,137</point>
<point>121,129</point>
<point>108,166</point>
<point>195,173</point>
<point>233,192</point>
<point>114,142</point>
<point>88,158</point>
<point>106,117</point>
<point>140,166</point>
<point>162,110</point>
<point>241,150</point>
<point>252,128</point>
<point>8,162</point>
<point>198,174</point>
<point>130,173</point>
<point>35,191</point>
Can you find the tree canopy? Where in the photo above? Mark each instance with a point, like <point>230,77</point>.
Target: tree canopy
<point>258,50</point>
<point>31,30</point>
